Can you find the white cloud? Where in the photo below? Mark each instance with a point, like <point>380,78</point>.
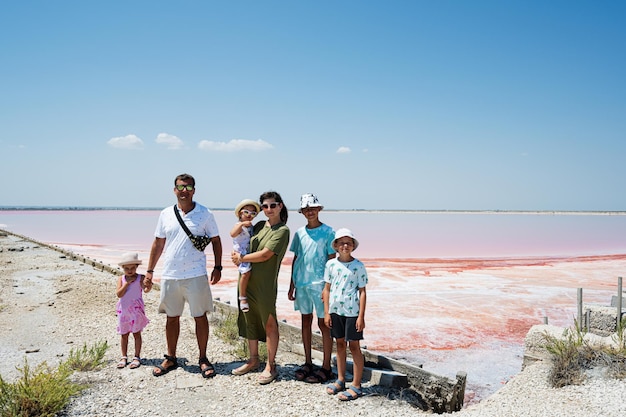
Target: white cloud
<point>235,145</point>
<point>126,142</point>
<point>170,141</point>
<point>343,149</point>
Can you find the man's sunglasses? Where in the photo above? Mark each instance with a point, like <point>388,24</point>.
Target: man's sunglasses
<point>185,187</point>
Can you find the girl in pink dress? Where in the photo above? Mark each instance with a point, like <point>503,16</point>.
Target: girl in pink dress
<point>130,308</point>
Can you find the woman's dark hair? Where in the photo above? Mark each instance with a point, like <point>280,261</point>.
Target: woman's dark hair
<point>284,213</point>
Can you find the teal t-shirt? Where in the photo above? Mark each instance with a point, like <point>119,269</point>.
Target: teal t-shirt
<point>311,248</point>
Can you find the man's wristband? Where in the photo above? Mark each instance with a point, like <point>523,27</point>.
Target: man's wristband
<point>218,267</point>
<point>150,271</point>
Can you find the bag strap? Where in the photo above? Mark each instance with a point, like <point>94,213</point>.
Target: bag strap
<point>182,223</point>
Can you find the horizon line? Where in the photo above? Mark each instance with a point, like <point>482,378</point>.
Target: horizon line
<point>417,211</point>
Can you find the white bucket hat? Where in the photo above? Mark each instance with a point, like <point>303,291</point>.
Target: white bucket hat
<point>129,259</point>
<point>246,202</point>
<point>309,200</point>
<point>345,233</point>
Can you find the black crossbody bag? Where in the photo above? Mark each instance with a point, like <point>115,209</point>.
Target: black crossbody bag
<point>199,242</point>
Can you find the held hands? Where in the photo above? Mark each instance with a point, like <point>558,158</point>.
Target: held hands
<point>147,282</point>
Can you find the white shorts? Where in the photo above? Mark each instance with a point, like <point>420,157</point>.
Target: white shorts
<point>195,291</point>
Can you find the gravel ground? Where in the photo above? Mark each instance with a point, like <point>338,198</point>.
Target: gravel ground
<point>49,304</point>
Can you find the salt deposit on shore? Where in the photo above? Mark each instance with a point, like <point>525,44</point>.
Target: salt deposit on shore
<point>49,304</point>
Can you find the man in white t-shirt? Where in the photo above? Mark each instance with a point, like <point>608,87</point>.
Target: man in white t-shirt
<point>184,277</point>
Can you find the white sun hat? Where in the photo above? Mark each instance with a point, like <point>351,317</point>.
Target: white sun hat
<point>246,202</point>
<point>345,233</point>
<point>129,259</point>
<point>309,200</point>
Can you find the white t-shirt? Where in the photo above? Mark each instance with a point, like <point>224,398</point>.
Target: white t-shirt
<point>345,279</point>
<point>181,259</point>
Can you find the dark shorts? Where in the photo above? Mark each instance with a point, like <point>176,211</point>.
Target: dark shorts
<point>344,328</point>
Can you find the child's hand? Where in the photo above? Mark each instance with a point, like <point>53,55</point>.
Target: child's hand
<point>246,223</point>
<point>327,321</point>
<point>360,324</point>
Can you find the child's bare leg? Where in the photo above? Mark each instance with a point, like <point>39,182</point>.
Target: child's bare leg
<point>341,359</point>
<point>307,336</point>
<point>327,343</point>
<point>138,342</point>
<point>358,363</point>
<point>243,288</point>
<point>124,345</point>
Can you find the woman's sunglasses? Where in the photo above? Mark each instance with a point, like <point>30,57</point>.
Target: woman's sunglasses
<point>270,205</point>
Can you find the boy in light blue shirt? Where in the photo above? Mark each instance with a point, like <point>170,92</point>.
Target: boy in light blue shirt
<point>312,247</point>
<point>344,311</point>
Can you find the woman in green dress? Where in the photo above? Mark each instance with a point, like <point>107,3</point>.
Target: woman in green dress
<point>267,249</point>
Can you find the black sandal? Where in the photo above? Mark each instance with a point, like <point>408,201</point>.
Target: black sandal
<point>304,371</point>
<point>319,376</point>
<point>209,367</point>
<point>163,370</point>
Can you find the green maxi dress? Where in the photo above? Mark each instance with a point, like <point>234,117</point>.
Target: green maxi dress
<point>263,283</point>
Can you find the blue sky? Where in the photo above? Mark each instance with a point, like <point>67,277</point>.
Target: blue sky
<point>510,105</point>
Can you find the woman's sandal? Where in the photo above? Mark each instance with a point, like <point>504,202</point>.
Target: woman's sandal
<point>243,304</point>
<point>251,365</point>
<point>303,371</point>
<point>267,377</point>
<point>123,362</point>
<point>208,367</point>
<point>348,396</point>
<point>162,369</point>
<point>319,376</point>
<point>335,387</point>
<point>136,363</point>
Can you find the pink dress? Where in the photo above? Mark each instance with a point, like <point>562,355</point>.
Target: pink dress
<point>131,316</point>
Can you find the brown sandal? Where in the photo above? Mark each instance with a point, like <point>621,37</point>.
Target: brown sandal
<point>319,376</point>
<point>303,371</point>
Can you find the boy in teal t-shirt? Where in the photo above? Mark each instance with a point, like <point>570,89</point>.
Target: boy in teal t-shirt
<point>312,247</point>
